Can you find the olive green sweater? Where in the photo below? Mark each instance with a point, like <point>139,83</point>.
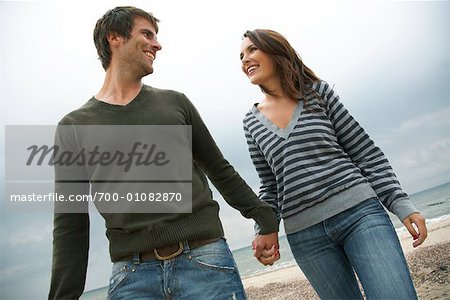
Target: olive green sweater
<point>127,233</point>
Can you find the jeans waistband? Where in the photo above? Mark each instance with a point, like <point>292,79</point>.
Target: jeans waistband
<point>168,252</point>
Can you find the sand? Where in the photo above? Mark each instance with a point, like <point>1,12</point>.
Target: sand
<point>429,265</point>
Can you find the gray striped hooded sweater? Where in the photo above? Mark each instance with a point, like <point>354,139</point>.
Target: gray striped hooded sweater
<point>320,164</point>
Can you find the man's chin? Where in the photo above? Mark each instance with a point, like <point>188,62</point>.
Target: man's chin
<point>147,72</point>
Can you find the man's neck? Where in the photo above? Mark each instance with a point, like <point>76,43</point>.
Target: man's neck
<point>118,88</point>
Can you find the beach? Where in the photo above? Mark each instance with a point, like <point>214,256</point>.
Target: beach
<point>429,265</point>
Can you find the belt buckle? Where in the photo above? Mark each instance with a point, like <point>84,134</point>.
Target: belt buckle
<point>178,252</point>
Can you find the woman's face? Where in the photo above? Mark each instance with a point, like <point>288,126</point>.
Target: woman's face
<point>257,65</point>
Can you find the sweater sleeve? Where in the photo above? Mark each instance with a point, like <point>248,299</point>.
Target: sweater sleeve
<point>70,234</point>
<point>366,155</point>
<point>70,255</point>
<point>224,177</point>
<point>268,184</point>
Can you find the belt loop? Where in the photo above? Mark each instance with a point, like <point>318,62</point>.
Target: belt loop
<point>136,259</point>
<point>186,248</point>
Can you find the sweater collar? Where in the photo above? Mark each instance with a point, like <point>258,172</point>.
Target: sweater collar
<point>132,105</point>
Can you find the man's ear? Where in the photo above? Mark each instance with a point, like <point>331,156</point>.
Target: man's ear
<point>114,39</point>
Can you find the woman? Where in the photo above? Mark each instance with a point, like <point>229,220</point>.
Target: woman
<point>325,178</point>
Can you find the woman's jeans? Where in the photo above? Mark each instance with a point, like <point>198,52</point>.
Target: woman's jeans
<point>206,272</point>
<point>363,239</point>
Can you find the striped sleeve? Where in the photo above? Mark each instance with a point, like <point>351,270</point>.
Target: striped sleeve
<point>223,176</point>
<point>268,183</point>
<point>366,155</point>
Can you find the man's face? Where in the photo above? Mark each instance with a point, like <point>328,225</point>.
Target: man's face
<point>139,51</point>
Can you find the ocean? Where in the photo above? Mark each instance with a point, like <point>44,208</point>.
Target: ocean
<point>433,203</point>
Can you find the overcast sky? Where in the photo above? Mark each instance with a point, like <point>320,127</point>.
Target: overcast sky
<point>388,61</point>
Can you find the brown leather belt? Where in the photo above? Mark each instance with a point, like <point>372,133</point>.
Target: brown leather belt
<point>169,251</point>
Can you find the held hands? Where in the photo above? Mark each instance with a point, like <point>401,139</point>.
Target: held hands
<point>420,236</point>
<point>265,248</point>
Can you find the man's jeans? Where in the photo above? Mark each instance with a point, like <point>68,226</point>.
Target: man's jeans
<point>361,238</point>
<point>206,272</point>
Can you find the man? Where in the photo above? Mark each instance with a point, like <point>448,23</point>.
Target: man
<point>155,256</point>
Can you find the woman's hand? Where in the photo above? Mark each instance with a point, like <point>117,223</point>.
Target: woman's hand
<point>420,236</point>
<point>265,248</point>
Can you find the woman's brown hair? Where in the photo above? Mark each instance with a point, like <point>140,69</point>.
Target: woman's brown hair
<point>294,75</point>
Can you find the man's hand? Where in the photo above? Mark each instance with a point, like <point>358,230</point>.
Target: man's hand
<point>266,248</point>
<point>419,237</point>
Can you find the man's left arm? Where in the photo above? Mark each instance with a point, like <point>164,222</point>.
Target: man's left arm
<point>228,182</point>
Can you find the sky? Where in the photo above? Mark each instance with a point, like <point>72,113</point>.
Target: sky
<point>387,60</point>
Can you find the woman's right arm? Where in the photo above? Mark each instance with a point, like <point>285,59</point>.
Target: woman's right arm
<point>268,184</point>
<point>267,193</point>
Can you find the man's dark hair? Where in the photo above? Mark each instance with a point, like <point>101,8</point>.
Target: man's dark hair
<point>119,20</point>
